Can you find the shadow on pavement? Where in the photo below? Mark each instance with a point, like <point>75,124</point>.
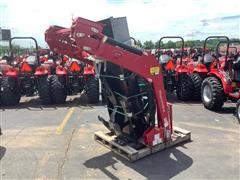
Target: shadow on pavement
<point>230,109</point>
<point>172,98</point>
<point>227,110</point>
<point>162,165</point>
<point>2,151</point>
<point>34,104</point>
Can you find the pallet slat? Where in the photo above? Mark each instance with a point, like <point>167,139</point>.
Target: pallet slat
<point>180,130</point>
<point>131,154</point>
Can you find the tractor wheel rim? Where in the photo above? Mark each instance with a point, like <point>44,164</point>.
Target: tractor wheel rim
<point>207,93</point>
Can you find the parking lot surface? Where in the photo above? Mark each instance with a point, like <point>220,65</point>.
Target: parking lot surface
<point>56,142</point>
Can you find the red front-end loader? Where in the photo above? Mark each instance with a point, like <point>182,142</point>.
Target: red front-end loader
<point>133,86</point>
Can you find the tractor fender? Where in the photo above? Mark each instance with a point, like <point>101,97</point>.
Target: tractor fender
<point>88,70</point>
<point>60,70</point>
<point>200,69</point>
<point>40,71</point>
<point>191,68</point>
<point>224,79</point>
<point>12,72</point>
<point>181,69</point>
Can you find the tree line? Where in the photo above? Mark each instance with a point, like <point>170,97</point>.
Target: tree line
<point>5,50</point>
<point>149,44</point>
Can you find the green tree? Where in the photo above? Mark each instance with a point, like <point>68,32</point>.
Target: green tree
<point>189,43</point>
<point>162,46</point>
<point>4,50</point>
<point>198,43</point>
<point>178,44</point>
<point>148,45</point>
<point>170,44</point>
<point>139,44</point>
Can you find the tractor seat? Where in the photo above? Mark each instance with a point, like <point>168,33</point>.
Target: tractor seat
<point>3,61</point>
<point>32,61</point>
<point>164,58</point>
<point>236,68</point>
<point>49,61</point>
<point>236,64</point>
<point>208,59</point>
<point>196,57</point>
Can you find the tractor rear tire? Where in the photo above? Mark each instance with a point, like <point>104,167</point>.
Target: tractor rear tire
<point>197,83</point>
<point>212,94</point>
<point>10,95</point>
<point>44,90</point>
<point>238,110</point>
<point>92,90</point>
<point>58,89</point>
<point>184,88</point>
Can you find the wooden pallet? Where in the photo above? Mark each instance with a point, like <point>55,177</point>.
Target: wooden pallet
<point>131,154</point>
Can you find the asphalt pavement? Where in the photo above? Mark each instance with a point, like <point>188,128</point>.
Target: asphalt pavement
<point>56,142</point>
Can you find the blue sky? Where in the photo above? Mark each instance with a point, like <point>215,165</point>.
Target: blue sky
<point>147,19</point>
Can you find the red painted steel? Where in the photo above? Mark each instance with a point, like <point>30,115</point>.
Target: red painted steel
<point>86,36</point>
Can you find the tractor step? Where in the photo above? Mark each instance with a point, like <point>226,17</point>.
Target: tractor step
<point>131,154</point>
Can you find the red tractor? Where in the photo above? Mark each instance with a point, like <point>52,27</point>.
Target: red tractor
<point>198,69</point>
<point>19,78</point>
<point>73,76</point>
<point>44,74</point>
<point>175,71</point>
<point>4,62</point>
<point>25,74</point>
<point>27,66</point>
<point>168,61</point>
<point>222,82</point>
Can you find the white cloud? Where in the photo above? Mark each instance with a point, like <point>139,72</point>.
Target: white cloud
<point>147,19</point>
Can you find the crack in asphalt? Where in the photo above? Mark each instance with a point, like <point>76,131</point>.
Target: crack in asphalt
<point>64,159</point>
<point>15,136</point>
<point>61,164</point>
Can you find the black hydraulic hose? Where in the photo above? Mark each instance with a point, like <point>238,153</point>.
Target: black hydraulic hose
<point>124,46</point>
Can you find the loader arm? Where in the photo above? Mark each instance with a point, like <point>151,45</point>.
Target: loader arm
<point>87,36</point>
<point>59,40</point>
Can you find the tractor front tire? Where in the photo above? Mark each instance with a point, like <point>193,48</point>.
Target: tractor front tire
<point>10,95</point>
<point>238,110</point>
<point>58,89</point>
<point>212,94</point>
<point>44,90</point>
<point>184,88</point>
<point>92,90</point>
<point>197,83</point>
